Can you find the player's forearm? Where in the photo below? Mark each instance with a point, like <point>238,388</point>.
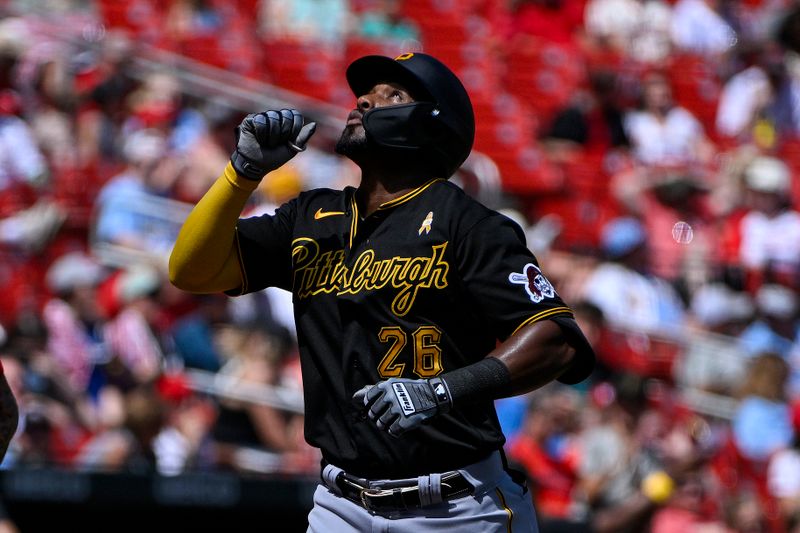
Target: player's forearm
<point>532,358</point>
<point>204,258</point>
<point>535,356</point>
<point>9,416</point>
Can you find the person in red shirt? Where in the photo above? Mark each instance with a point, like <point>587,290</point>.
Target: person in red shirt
<point>544,450</point>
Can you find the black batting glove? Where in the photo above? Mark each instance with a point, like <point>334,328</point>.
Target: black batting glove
<point>398,405</point>
<point>267,140</point>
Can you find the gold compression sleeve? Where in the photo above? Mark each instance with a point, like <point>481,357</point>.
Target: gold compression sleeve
<point>204,258</point>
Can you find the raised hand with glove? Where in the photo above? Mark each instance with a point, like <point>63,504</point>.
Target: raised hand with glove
<point>264,142</point>
<point>267,140</point>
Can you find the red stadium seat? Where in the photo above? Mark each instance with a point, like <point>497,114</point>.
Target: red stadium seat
<point>356,47</point>
<point>696,86</point>
<point>527,172</point>
<point>308,68</point>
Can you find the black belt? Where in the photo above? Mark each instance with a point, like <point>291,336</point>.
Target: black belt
<point>454,485</point>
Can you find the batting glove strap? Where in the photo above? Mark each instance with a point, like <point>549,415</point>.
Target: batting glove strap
<point>441,393</point>
<point>246,168</point>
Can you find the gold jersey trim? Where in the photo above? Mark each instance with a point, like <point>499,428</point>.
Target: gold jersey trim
<point>542,315</point>
<point>409,195</point>
<point>353,221</point>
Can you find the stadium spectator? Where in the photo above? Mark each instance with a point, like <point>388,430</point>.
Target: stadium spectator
<point>612,466</point>
<point>663,197</point>
<point>762,423</point>
<point>747,93</point>
<point>102,108</point>
<point>254,356</point>
<point>698,27</point>
<point>384,21</point>
<point>193,336</point>
<point>714,359</point>
<point>769,231</point>
<point>775,326</point>
<point>75,321</point>
<point>630,297</point>
<point>21,161</point>
<point>186,19</point>
<point>320,21</point>
<point>687,511</point>
<point>132,336</point>
<point>594,119</point>
<point>184,440</point>
<point>783,478</point>
<point>129,208</point>
<point>545,447</point>
<point>663,133</point>
<point>637,30</point>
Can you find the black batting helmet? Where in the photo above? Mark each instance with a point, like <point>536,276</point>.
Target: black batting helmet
<point>440,124</point>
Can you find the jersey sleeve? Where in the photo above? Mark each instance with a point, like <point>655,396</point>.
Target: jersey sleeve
<point>505,283</point>
<point>264,245</point>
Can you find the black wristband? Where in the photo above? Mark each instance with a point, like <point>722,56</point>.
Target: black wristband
<point>488,379</point>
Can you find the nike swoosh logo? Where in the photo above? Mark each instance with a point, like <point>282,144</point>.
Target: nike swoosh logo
<point>322,214</point>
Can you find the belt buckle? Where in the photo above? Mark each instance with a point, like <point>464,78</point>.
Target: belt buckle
<point>368,492</point>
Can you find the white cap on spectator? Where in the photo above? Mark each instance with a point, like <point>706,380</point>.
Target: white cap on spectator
<point>14,36</point>
<point>777,301</point>
<point>717,304</point>
<point>73,270</point>
<point>136,282</point>
<point>144,146</point>
<point>767,174</point>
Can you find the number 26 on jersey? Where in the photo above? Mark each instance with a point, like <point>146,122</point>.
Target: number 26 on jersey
<point>427,353</point>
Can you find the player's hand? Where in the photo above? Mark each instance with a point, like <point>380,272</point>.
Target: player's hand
<point>398,405</point>
<point>267,140</point>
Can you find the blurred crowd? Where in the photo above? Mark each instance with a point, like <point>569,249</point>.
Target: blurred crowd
<point>649,148</point>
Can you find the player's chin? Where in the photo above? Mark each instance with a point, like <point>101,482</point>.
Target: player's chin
<point>353,141</point>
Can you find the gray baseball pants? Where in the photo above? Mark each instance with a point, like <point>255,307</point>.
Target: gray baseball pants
<point>498,504</point>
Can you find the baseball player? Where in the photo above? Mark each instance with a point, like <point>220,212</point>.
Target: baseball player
<point>402,289</point>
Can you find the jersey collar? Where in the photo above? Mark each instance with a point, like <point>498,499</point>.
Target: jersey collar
<point>386,205</point>
<point>408,196</point>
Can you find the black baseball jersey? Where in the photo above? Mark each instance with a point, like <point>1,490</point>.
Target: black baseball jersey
<point>426,284</point>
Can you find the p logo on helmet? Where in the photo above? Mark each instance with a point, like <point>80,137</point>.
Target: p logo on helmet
<point>403,57</point>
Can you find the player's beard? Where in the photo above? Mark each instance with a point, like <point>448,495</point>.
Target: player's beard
<point>352,142</point>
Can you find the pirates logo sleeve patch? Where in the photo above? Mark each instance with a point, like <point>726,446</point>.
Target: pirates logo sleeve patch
<point>536,285</point>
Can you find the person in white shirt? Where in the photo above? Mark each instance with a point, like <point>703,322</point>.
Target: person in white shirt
<point>698,28</point>
<point>663,133</point>
<point>639,29</point>
<point>631,299</point>
<point>770,231</point>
